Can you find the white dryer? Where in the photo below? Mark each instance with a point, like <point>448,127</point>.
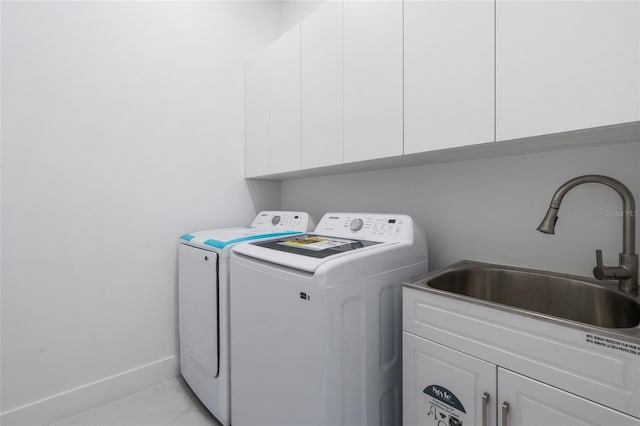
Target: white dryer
<point>316,322</point>
<point>203,302</point>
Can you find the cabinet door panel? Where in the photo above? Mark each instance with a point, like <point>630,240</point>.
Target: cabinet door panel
<point>566,65</point>
<point>256,116</point>
<point>449,74</point>
<point>322,86</point>
<point>444,386</point>
<point>372,80</point>
<point>284,102</point>
<point>533,403</point>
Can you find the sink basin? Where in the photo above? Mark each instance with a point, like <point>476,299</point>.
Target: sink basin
<point>556,295</point>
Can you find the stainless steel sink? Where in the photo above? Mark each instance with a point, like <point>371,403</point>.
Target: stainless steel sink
<point>550,294</point>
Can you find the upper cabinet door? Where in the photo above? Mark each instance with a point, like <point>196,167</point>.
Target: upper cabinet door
<point>284,102</point>
<point>322,86</point>
<point>566,65</point>
<point>372,80</point>
<point>448,73</point>
<point>256,116</point>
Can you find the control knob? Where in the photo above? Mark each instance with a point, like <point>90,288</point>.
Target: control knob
<point>356,224</point>
<point>275,220</point>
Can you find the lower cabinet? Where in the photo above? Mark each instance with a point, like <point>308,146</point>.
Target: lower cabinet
<point>524,401</point>
<point>445,387</point>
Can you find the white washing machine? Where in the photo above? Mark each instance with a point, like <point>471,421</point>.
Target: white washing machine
<point>203,302</point>
<point>316,326</point>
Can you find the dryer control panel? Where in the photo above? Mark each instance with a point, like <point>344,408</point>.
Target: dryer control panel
<point>367,226</point>
<point>280,221</point>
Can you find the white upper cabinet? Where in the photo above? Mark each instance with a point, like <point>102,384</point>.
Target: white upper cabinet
<point>256,116</point>
<point>360,80</point>
<point>322,86</point>
<point>448,73</point>
<point>284,102</point>
<point>372,80</point>
<point>566,65</point>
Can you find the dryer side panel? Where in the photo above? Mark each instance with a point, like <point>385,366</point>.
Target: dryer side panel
<point>198,307</point>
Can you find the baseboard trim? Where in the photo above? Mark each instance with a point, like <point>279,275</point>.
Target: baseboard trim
<point>82,398</point>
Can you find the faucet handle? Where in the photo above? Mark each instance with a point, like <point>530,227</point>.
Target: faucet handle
<point>600,271</point>
<point>598,258</point>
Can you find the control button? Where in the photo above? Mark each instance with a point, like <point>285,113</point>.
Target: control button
<point>356,224</point>
<point>275,220</point>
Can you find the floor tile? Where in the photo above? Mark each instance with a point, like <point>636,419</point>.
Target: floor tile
<point>166,404</point>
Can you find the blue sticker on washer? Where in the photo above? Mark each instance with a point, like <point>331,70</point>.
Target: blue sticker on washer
<point>187,237</point>
<point>223,244</point>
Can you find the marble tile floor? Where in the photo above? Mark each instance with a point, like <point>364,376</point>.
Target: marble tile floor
<point>166,404</point>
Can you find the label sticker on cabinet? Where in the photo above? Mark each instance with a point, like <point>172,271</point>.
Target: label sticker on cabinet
<point>444,406</point>
<point>617,345</point>
<point>445,395</point>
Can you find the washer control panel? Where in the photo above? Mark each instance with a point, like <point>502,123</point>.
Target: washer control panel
<point>367,226</point>
<point>283,221</point>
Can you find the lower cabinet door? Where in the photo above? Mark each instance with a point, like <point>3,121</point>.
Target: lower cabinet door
<point>444,387</point>
<point>526,402</point>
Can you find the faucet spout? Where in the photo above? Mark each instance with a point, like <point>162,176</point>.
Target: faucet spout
<point>548,224</point>
<point>627,271</point>
<point>628,205</point>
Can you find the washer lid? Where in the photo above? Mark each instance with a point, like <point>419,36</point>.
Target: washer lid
<point>305,252</point>
<point>317,246</point>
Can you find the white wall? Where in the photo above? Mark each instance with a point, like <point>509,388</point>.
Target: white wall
<point>122,129</point>
<point>293,11</point>
<point>488,209</point>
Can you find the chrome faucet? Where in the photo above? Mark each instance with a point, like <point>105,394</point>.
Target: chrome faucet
<point>627,271</point>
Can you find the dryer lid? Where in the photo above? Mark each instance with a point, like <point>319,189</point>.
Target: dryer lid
<point>222,238</point>
<point>267,224</point>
